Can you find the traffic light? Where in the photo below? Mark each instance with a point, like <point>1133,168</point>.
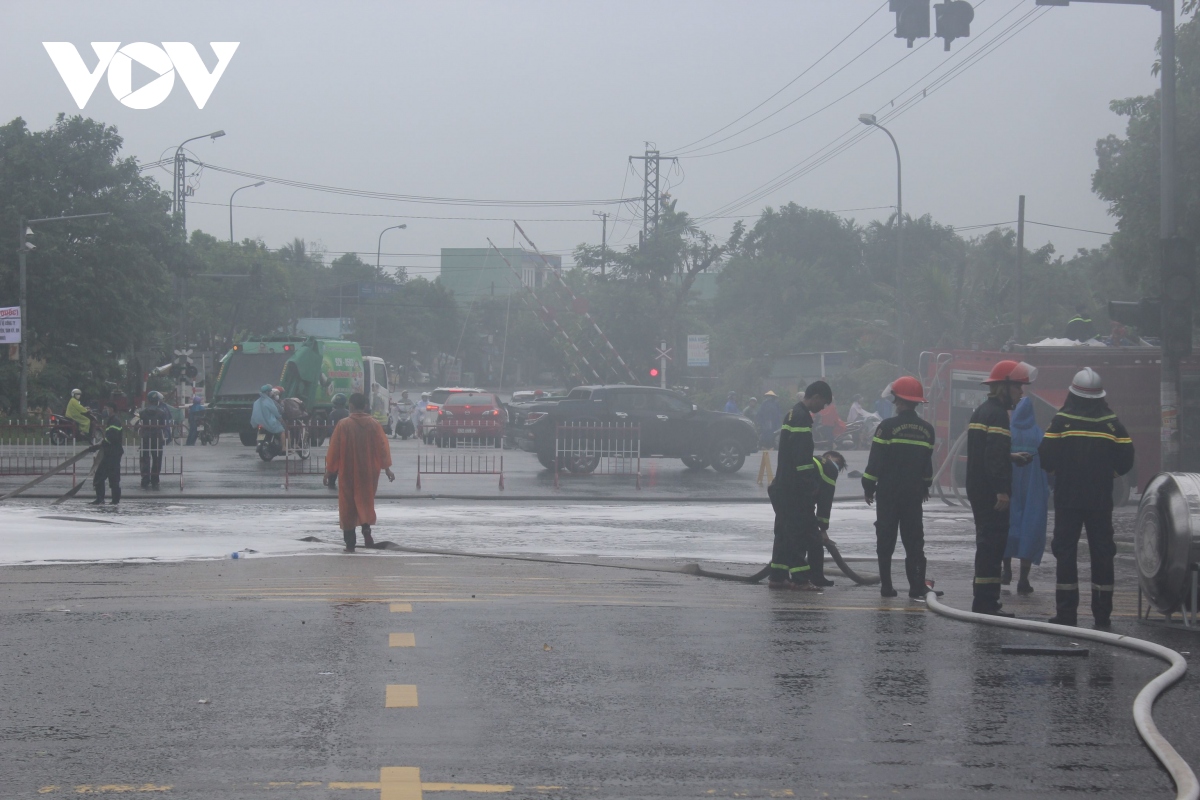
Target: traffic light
<point>1178,294</point>
<point>654,372</point>
<point>1144,314</point>
<point>912,19</point>
<point>953,20</point>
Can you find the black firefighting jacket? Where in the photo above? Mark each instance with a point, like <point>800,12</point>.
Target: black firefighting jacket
<point>112,447</point>
<point>1085,447</point>
<point>901,459</point>
<point>989,469</point>
<point>797,473</point>
<point>828,474</point>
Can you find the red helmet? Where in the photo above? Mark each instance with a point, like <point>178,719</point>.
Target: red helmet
<point>908,388</point>
<point>1012,372</point>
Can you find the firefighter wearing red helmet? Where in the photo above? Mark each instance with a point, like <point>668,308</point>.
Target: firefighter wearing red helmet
<point>989,478</point>
<point>898,475</point>
<point>1085,446</point>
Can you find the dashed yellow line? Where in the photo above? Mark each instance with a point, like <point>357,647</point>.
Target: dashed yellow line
<point>404,783</point>
<point>402,607</point>
<point>401,695</point>
<point>402,640</point>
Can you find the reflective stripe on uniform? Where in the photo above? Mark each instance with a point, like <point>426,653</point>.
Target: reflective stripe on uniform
<point>1099,587</point>
<point>979,426</point>
<point>794,570</point>
<point>802,467</point>
<point>988,580</point>
<point>912,441</point>
<point>1090,435</point>
<point>823,519</point>
<point>821,472</point>
<point>869,477</point>
<point>794,429</point>
<point>877,440</point>
<point>1085,419</point>
<point>779,566</point>
<point>1067,587</point>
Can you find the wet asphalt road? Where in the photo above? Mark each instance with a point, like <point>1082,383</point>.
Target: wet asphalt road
<point>549,680</point>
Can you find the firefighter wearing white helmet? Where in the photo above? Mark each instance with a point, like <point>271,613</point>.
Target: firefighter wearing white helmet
<point>989,478</point>
<point>1085,446</point>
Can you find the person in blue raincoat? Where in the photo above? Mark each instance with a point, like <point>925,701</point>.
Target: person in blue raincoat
<point>266,411</point>
<point>1030,499</point>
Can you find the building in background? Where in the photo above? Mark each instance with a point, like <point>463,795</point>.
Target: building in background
<point>474,273</point>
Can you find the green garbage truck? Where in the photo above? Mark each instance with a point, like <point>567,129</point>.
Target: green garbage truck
<point>309,368</point>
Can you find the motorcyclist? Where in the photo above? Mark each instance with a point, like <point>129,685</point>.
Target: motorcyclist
<point>856,410</point>
<point>78,413</point>
<point>340,411</point>
<point>266,412</point>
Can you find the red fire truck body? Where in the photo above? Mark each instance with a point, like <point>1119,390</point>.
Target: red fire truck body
<point>1131,379</point>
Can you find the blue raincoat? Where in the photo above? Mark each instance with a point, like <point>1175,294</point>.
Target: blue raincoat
<point>1030,490</point>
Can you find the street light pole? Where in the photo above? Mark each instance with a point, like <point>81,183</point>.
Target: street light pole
<point>869,119</point>
<point>23,247</point>
<point>379,244</point>
<point>180,177</point>
<point>235,191</point>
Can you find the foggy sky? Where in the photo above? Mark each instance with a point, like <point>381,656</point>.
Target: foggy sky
<point>547,100</point>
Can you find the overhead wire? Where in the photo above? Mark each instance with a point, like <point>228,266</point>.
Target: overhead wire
<point>829,52</point>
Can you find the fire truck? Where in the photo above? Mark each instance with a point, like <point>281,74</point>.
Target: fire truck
<point>953,388</point>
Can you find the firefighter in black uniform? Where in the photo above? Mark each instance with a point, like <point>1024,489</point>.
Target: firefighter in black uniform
<point>1081,328</point>
<point>989,478</point>
<point>829,466</point>
<point>900,472</point>
<point>1085,447</point>
<point>793,493</point>
<point>109,469</point>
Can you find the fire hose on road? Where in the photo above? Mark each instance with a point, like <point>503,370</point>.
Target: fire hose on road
<point>1186,785</point>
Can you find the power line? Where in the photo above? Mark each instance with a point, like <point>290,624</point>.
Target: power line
<point>409,198</point>
<point>1068,228</point>
<point>384,216</point>
<point>808,69</point>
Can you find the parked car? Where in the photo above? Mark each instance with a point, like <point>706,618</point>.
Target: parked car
<point>670,427</point>
<point>433,404</point>
<point>467,417</point>
<point>520,409</point>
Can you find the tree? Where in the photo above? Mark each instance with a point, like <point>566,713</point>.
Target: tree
<point>98,289</point>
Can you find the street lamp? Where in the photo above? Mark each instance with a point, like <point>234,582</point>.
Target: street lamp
<point>23,248</point>
<point>379,244</point>
<point>870,121</point>
<point>180,164</point>
<point>235,191</point>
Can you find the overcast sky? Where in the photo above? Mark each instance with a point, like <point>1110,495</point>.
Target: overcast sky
<point>545,101</point>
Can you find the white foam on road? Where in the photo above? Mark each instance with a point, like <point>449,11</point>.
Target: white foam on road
<point>734,533</point>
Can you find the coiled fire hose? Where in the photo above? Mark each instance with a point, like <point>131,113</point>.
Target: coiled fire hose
<point>1186,785</point>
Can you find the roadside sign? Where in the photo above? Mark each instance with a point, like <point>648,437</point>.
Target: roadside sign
<point>663,353</point>
<point>697,350</point>
<point>10,325</point>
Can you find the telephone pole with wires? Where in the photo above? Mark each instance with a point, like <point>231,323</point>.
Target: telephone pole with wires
<point>651,196</point>
<point>603,215</point>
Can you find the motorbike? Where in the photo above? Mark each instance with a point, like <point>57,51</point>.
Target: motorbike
<point>206,431</point>
<point>269,444</point>
<point>861,431</point>
<point>64,430</point>
<point>402,421</point>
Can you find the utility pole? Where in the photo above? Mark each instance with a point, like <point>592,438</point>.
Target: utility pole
<point>662,366</point>
<point>651,196</point>
<point>603,215</point>
<point>1175,255</point>
<point>1017,333</point>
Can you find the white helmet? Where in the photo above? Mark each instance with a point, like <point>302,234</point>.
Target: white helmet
<point>76,393</point>
<point>1087,384</point>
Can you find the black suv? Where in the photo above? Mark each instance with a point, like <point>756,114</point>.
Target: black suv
<point>671,427</point>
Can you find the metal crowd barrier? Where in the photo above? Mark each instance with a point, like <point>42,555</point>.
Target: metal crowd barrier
<point>604,448</point>
<point>462,447</point>
<point>305,445</point>
<point>32,448</point>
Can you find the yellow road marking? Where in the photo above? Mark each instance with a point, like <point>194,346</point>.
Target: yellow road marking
<point>482,788</point>
<point>400,783</point>
<point>108,788</point>
<point>402,640</point>
<point>401,695</point>
<point>403,607</point>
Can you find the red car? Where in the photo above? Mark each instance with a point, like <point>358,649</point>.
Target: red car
<point>475,417</point>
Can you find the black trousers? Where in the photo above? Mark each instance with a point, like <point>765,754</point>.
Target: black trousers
<point>111,472</point>
<point>150,460</point>
<point>991,537</point>
<point>1068,524</point>
<point>796,534</point>
<point>902,514</point>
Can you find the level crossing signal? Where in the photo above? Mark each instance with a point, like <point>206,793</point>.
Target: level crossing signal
<point>182,366</point>
<point>953,19</point>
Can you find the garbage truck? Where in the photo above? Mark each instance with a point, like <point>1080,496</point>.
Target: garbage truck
<point>309,368</point>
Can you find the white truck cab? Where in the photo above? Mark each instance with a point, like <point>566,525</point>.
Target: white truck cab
<point>376,388</point>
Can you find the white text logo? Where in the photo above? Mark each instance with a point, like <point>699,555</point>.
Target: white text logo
<point>164,61</point>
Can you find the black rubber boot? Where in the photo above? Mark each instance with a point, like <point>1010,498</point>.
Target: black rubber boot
<point>348,537</point>
<point>885,579</point>
<point>367,540</point>
<point>1006,573</point>
<point>99,501</point>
